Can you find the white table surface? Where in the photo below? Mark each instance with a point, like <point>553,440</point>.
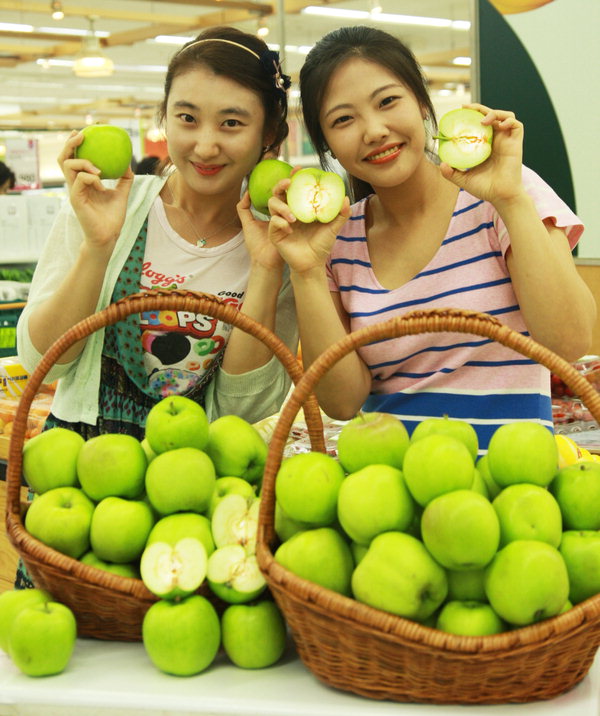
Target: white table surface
<point>118,678</point>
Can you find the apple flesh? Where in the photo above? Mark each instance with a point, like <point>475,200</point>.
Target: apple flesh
<point>233,575</point>
<point>182,637</point>
<point>171,571</point>
<point>263,178</point>
<point>253,635</point>
<point>42,639</point>
<point>235,521</point>
<point>315,195</point>
<point>463,141</point>
<point>108,148</point>
<point>227,485</point>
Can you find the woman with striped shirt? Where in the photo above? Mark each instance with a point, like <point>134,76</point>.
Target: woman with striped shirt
<point>420,235</point>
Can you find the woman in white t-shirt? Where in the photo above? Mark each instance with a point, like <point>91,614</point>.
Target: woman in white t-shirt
<point>224,109</point>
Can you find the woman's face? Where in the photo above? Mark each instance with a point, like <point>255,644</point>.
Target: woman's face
<point>373,123</point>
<point>214,130</point>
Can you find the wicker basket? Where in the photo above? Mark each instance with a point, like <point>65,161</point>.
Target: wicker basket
<point>357,648</point>
<point>108,606</point>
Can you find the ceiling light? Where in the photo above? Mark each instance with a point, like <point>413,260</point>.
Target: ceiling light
<point>376,7</point>
<point>386,17</point>
<point>262,30</point>
<point>462,61</point>
<point>92,62</point>
<point>56,10</point>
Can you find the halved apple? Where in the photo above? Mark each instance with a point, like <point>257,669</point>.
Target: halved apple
<point>235,521</point>
<point>171,571</point>
<point>315,195</point>
<point>233,575</point>
<point>463,141</point>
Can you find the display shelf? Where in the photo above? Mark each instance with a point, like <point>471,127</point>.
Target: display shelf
<point>118,678</point>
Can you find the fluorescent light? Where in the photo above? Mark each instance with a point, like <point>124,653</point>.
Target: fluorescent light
<point>171,39</point>
<point>462,61</point>
<point>15,27</point>
<point>72,31</point>
<point>387,17</point>
<point>93,66</point>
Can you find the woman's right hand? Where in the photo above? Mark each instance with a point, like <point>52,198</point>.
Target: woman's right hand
<point>303,247</point>
<point>99,209</point>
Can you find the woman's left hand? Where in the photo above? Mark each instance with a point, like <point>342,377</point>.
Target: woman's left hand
<point>261,250</point>
<point>498,179</point>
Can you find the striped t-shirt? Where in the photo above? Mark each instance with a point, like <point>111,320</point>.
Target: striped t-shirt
<point>464,376</point>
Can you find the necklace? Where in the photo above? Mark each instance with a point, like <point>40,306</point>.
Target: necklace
<point>201,241</point>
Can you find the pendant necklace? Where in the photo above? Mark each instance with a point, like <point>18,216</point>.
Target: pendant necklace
<point>201,241</point>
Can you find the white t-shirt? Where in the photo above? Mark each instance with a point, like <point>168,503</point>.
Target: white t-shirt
<point>179,346</point>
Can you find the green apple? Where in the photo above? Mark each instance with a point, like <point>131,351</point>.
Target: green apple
<point>50,459</point>
<point>130,569</point>
<point>225,486</point>
<point>176,422</point>
<point>42,639</point>
<point>307,487</point>
<point>150,454</point>
<point>172,528</point>
<point>12,602</point>
<point>254,635</point>
<point>372,438</point>
<point>527,581</point>
<point>577,491</point>
<point>463,141</point>
<point>320,555</point>
<point>171,571</point>
<point>107,147</point>
<point>522,452</point>
<point>285,526</point>
<point>479,484</point>
<point>262,180</point>
<point>315,195</point>
<point>374,500</point>
<point>235,521</point>
<point>236,448</point>
<point>358,551</point>
<point>180,480</point>
<point>461,529</point>
<point>112,464</point>
<point>466,585</point>
<point>183,637</point>
<point>234,575</point>
<point>484,470</point>
<point>527,511</point>
<point>581,551</point>
<point>459,429</point>
<point>469,618</point>
<point>120,528</point>
<point>437,464</point>
<point>61,518</point>
<point>398,575</point>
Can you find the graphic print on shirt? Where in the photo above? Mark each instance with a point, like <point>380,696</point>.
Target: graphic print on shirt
<point>179,346</point>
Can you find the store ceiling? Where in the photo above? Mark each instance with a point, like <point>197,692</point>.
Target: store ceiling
<point>39,91</point>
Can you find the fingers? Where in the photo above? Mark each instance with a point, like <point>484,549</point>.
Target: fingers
<point>500,118</point>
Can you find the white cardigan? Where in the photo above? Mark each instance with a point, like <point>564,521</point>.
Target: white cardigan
<point>253,396</point>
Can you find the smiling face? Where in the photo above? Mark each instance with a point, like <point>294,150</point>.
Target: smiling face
<point>214,129</point>
<point>373,124</point>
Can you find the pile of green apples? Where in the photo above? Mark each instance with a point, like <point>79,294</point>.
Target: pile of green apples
<point>421,527</point>
<point>178,509</point>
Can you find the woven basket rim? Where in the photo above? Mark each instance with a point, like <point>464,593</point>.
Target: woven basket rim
<point>36,552</point>
<point>386,625</point>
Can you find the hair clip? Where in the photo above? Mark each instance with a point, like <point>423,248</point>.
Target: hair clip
<point>270,61</point>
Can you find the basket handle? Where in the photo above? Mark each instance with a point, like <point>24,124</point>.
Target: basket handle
<point>175,300</point>
<point>414,322</point>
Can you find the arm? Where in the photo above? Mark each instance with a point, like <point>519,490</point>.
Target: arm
<point>321,317</point>
<point>557,306</point>
<point>100,212</point>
